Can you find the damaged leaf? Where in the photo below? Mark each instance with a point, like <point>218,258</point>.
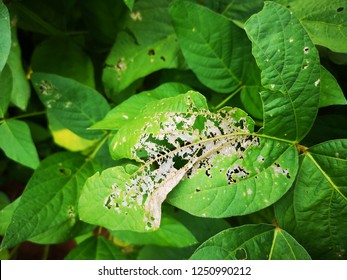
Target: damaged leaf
<point>178,139</point>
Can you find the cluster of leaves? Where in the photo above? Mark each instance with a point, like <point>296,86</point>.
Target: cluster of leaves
<point>180,129</point>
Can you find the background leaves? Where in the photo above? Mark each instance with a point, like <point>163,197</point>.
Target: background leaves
<point>109,75</point>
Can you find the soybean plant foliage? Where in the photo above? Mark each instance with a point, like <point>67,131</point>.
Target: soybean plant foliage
<point>159,129</point>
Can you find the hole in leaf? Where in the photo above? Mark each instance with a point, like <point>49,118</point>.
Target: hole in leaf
<point>340,9</point>
<point>151,52</point>
<point>306,50</point>
<point>241,254</point>
<point>197,189</point>
<point>64,171</point>
<point>163,58</point>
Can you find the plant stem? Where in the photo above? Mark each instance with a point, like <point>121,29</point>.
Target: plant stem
<point>33,114</point>
<point>45,252</point>
<point>220,105</point>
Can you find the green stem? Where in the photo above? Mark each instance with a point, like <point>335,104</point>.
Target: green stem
<point>33,114</point>
<point>220,105</point>
<point>34,17</point>
<point>98,147</point>
<point>45,252</point>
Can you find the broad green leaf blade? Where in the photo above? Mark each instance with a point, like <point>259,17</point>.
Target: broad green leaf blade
<point>318,204</point>
<point>96,248</point>
<point>5,31</point>
<point>150,21</point>
<point>130,108</point>
<point>331,93</point>
<point>4,200</point>
<point>128,61</point>
<point>215,155</point>
<point>324,20</point>
<point>171,234</point>
<point>21,88</point>
<point>216,50</point>
<point>129,3</point>
<point>251,242</point>
<point>59,55</point>
<point>290,71</point>
<point>50,198</point>
<point>6,84</point>
<point>17,143</point>
<point>240,11</point>
<point>72,103</point>
<point>6,215</point>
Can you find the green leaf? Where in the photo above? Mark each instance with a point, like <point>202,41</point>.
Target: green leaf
<point>59,55</point>
<point>20,88</point>
<point>6,215</point>
<point>224,167</point>
<point>17,144</point>
<point>317,206</point>
<point>239,10</point>
<point>216,50</point>
<point>96,248</point>
<point>129,61</point>
<point>6,89</point>
<point>202,228</point>
<point>324,20</point>
<point>251,242</point>
<point>151,252</point>
<point>4,200</point>
<point>290,71</point>
<point>331,93</point>
<point>50,198</point>
<point>72,103</point>
<point>130,108</point>
<point>5,31</point>
<point>171,234</point>
<point>129,3</point>
<point>103,20</point>
<point>150,21</point>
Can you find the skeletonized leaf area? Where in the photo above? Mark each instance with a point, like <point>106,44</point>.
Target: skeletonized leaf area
<point>176,140</point>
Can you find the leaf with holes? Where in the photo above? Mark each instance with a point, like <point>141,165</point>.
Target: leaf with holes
<point>290,71</point>
<point>170,234</point>
<point>251,242</point>
<point>217,50</point>
<point>72,103</point>
<point>129,61</point>
<point>130,108</point>
<point>225,168</point>
<point>324,20</point>
<point>317,206</point>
